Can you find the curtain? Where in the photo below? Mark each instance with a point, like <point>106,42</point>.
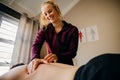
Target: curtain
<point>27,30</point>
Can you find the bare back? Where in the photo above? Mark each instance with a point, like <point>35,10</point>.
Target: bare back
<point>54,71</point>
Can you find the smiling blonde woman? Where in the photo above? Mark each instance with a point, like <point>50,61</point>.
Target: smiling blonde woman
<point>61,37</point>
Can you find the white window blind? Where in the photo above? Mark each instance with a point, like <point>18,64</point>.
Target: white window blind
<point>8,30</point>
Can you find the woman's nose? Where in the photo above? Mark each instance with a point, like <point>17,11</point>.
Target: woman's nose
<point>48,15</point>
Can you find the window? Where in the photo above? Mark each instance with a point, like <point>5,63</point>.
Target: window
<point>8,30</point>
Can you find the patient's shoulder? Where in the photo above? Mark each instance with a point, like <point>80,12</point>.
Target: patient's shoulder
<point>15,73</point>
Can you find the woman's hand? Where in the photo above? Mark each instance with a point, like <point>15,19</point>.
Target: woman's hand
<point>51,58</point>
<point>32,66</point>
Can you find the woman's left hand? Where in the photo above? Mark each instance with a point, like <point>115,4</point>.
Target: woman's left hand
<point>51,58</point>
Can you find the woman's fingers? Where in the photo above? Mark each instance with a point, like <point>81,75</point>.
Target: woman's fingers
<point>34,64</point>
<point>29,68</point>
<point>47,56</point>
<point>44,61</point>
<point>51,58</point>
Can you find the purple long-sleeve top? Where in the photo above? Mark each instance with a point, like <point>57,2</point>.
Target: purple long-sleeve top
<point>64,44</point>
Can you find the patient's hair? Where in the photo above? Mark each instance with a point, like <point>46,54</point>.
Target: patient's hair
<point>19,64</point>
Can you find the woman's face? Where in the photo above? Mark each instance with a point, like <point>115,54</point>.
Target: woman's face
<point>50,13</point>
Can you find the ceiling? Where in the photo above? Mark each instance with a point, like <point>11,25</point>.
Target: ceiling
<point>33,6</point>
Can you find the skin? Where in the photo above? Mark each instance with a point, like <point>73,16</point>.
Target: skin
<point>50,13</point>
<point>17,73</point>
<point>48,71</point>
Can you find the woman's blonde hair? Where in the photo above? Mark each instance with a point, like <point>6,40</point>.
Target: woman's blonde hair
<point>43,21</point>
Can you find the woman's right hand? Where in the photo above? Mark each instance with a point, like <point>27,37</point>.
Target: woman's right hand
<point>32,66</point>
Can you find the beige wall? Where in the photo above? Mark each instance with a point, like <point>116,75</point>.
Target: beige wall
<point>106,15</point>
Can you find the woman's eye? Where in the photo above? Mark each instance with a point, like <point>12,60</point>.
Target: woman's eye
<point>49,11</point>
<point>45,14</point>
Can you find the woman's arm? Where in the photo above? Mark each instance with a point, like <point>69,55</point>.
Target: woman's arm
<point>37,45</point>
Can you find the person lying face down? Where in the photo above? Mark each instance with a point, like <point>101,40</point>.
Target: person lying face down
<point>102,67</point>
<point>45,71</point>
